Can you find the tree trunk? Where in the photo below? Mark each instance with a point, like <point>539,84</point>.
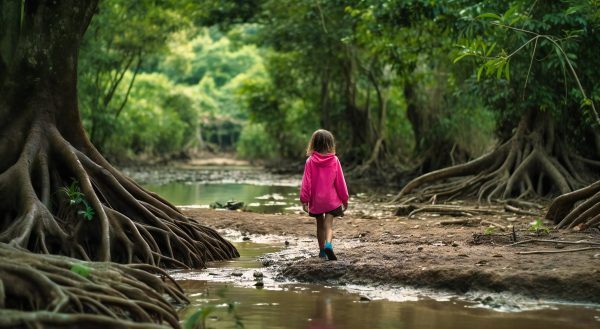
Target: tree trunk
<point>45,149</point>
<point>534,162</point>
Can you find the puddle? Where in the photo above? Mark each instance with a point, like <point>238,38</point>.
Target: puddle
<point>277,304</point>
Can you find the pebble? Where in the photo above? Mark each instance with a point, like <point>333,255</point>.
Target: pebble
<point>246,238</point>
<point>287,243</point>
<point>364,299</point>
<point>454,244</point>
<point>259,284</point>
<point>420,248</point>
<point>237,274</point>
<point>257,274</point>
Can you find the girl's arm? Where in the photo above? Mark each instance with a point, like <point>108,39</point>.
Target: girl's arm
<point>340,185</point>
<point>306,185</point>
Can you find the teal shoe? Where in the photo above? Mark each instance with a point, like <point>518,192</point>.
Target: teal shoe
<point>329,251</point>
<point>322,254</point>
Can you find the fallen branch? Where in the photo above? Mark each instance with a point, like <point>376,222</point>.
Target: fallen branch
<point>555,251</point>
<point>453,210</point>
<point>465,222</point>
<point>523,204</point>
<point>557,241</point>
<point>516,210</point>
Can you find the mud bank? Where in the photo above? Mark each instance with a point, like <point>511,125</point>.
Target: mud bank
<point>420,252</point>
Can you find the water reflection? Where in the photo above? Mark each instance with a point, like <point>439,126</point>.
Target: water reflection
<point>323,315</point>
<point>258,198</point>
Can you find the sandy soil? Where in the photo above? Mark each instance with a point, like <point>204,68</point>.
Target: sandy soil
<point>421,252</point>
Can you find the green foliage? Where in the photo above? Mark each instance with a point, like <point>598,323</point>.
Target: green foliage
<point>489,230</point>
<point>538,227</point>
<point>197,320</point>
<point>81,269</point>
<point>255,143</point>
<point>77,198</point>
<point>540,53</point>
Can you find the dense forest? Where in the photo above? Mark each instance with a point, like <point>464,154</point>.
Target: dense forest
<point>480,100</point>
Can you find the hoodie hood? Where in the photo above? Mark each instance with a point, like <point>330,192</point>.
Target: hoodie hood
<point>323,160</point>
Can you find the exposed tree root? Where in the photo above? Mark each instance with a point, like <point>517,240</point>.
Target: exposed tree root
<point>534,162</point>
<point>129,225</point>
<point>55,291</point>
<point>578,209</point>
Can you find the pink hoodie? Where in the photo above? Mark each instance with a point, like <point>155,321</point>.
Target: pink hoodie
<point>323,184</point>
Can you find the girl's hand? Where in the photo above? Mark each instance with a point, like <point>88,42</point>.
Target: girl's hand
<point>305,207</point>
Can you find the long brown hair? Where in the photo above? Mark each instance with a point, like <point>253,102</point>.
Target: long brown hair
<point>322,141</point>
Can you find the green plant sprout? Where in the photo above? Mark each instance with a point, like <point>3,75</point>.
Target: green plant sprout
<point>76,197</point>
<point>538,227</point>
<point>489,230</point>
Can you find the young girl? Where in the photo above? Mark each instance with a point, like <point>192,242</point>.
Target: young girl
<point>324,194</point>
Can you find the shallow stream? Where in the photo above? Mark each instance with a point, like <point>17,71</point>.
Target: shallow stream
<point>306,306</point>
<point>279,304</point>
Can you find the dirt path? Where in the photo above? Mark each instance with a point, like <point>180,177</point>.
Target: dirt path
<point>423,253</point>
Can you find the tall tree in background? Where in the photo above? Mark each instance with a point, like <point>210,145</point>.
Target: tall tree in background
<point>59,195</point>
<point>531,49</point>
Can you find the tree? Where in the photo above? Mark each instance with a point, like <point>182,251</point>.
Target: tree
<point>535,157</point>
<point>59,195</point>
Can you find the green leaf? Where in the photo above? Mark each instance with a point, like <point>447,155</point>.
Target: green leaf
<point>460,57</point>
<point>479,72</point>
<point>507,70</point>
<point>81,269</point>
<point>490,15</point>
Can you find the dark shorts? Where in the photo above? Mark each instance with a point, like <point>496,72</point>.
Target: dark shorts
<point>337,212</point>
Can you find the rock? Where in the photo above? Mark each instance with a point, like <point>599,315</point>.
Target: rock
<point>237,273</point>
<point>259,284</point>
<point>420,248</point>
<point>287,243</point>
<point>257,274</point>
<point>364,299</point>
<point>454,244</point>
<point>267,262</point>
<point>246,238</point>
<point>497,255</point>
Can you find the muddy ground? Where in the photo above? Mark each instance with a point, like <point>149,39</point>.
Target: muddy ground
<point>421,252</point>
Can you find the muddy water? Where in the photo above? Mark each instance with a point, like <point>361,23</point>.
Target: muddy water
<point>289,305</point>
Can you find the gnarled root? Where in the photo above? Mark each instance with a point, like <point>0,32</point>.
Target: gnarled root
<point>579,208</point>
<point>128,225</point>
<point>56,291</point>
<point>532,163</point>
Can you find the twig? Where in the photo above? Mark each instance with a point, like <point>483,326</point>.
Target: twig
<point>555,241</point>
<point>466,222</point>
<point>501,227</point>
<point>554,251</point>
<point>516,210</point>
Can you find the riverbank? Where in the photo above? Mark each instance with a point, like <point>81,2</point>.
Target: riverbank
<point>420,252</point>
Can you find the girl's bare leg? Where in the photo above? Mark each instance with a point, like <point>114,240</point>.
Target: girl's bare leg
<point>328,223</point>
<point>321,232</point>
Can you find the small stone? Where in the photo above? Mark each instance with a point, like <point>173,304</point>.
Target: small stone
<point>454,244</point>
<point>597,256</point>
<point>237,274</point>
<point>420,248</point>
<point>246,238</point>
<point>497,255</point>
<point>364,299</point>
<point>463,255</point>
<point>287,243</point>
<point>257,274</point>
<point>259,284</point>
